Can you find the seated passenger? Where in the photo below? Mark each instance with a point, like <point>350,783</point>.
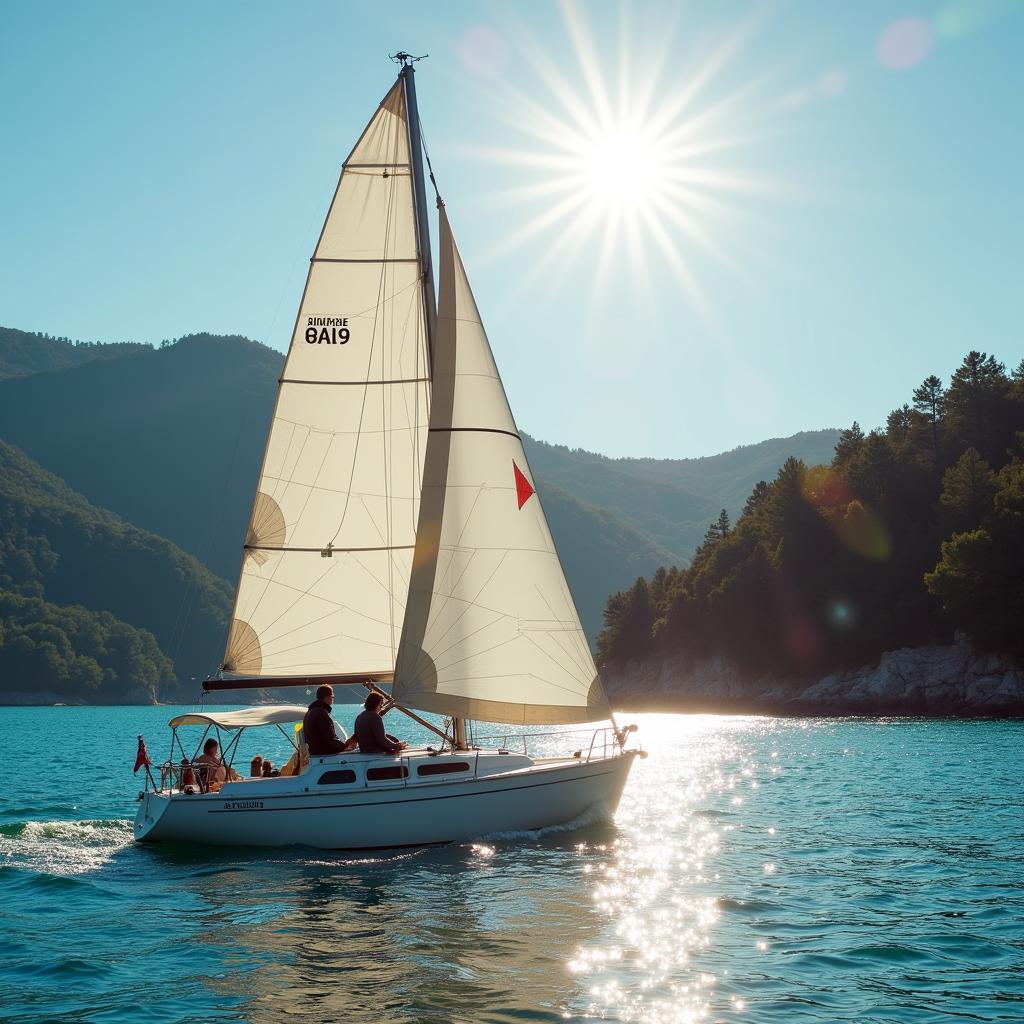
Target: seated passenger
<point>299,761</point>
<point>369,730</point>
<point>211,769</point>
<point>268,769</point>
<point>256,768</point>
<point>318,726</point>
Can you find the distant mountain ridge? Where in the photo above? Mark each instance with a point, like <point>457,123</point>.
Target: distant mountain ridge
<point>23,353</point>
<point>171,439</point>
<point>673,500</point>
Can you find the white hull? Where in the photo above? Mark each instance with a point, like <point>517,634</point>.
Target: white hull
<point>498,794</point>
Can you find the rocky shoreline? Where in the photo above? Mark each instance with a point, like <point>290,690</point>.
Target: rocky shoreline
<point>937,680</point>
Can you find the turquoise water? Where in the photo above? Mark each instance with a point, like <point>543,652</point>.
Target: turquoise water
<point>759,869</point>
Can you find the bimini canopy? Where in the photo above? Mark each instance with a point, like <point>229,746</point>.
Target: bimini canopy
<point>271,714</point>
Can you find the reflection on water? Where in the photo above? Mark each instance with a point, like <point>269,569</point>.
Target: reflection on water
<point>758,870</point>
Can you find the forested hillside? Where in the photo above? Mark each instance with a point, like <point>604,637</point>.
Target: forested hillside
<point>56,549</point>
<point>171,439</point>
<point>23,353</point>
<point>909,533</point>
<point>671,500</point>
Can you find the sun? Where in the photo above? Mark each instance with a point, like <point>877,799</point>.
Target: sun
<point>622,168</point>
<point>635,164</point>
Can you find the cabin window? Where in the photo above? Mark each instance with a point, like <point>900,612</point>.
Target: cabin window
<point>443,768</point>
<point>334,778</point>
<point>391,772</point>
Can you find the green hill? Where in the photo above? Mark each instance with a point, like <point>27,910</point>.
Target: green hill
<point>78,653</point>
<point>23,354</point>
<point>673,500</point>
<point>171,439</point>
<point>909,533</point>
<point>57,547</point>
<point>596,547</point>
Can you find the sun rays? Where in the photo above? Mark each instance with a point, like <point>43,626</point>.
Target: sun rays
<point>634,165</point>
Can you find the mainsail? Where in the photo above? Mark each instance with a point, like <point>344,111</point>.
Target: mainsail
<point>491,631</point>
<point>329,547</point>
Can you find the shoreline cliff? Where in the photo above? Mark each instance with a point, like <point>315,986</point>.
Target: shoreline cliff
<point>936,680</point>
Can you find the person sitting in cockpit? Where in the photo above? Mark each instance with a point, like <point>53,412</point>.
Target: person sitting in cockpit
<point>318,726</point>
<point>369,730</point>
<point>210,768</point>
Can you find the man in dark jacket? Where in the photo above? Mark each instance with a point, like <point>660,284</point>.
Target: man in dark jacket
<point>318,726</point>
<point>369,730</point>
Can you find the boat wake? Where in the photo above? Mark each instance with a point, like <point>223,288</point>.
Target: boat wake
<point>63,847</point>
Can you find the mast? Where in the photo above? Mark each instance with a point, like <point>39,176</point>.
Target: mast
<point>420,198</point>
<point>407,75</point>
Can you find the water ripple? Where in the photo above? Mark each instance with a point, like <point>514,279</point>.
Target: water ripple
<point>759,870</point>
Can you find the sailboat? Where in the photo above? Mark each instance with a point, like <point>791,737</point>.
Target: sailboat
<point>397,539</point>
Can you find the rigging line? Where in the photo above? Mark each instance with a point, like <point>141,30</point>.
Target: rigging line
<point>280,636</point>
<point>457,547</point>
<point>365,494</point>
<point>426,154</point>
<point>474,655</point>
<point>445,586</point>
<point>369,131</point>
<point>300,434</point>
<point>192,589</point>
<point>562,668</point>
<point>296,590</point>
<point>312,487</point>
<point>471,603</point>
<point>320,432</point>
<point>386,540</point>
<point>302,593</point>
<point>438,655</point>
<point>320,640</point>
<point>554,634</point>
<point>298,518</point>
<point>381,289</point>
<point>386,419</point>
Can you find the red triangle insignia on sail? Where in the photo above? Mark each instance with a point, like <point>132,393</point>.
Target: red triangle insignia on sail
<point>524,489</point>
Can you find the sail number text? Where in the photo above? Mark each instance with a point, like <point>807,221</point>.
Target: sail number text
<point>327,330</point>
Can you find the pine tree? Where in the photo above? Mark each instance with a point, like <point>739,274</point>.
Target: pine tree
<point>757,496</point>
<point>898,423</point>
<point>849,443</point>
<point>975,400</point>
<point>930,402</point>
<point>967,491</point>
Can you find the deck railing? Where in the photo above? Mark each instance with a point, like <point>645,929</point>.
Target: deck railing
<point>603,743</point>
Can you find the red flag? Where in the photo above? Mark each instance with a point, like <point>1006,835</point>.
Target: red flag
<point>142,757</point>
<point>524,489</point>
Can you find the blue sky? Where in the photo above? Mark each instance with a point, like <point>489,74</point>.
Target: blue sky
<point>853,221</point>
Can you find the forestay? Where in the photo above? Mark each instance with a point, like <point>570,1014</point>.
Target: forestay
<point>491,631</point>
<point>329,545</point>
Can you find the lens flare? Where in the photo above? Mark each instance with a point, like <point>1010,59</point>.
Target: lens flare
<point>863,531</point>
<point>904,43</point>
